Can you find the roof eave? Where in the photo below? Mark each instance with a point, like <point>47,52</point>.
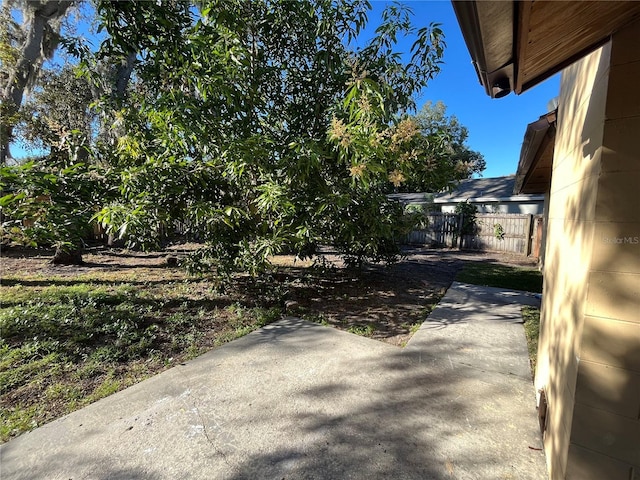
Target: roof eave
<point>492,54</point>
<point>536,138</point>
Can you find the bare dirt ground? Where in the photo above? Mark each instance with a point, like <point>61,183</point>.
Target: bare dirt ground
<point>382,302</point>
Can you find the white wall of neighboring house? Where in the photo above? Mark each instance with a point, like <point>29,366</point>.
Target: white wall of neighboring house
<point>528,207</point>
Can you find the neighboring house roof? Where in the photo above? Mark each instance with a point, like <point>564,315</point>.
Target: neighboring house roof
<point>476,190</point>
<point>515,45</point>
<point>480,190</point>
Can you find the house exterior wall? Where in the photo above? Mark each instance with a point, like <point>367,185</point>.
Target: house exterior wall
<point>545,222</point>
<point>605,441</point>
<point>589,354</point>
<point>569,246</point>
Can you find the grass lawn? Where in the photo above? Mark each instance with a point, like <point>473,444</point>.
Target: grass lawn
<point>72,335</point>
<point>498,275</point>
<point>69,341</point>
<point>531,317</point>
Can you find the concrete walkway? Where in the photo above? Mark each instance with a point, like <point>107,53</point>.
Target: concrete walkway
<point>296,400</point>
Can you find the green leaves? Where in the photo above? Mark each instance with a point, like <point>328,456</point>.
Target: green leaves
<point>48,204</point>
<point>441,146</point>
<point>259,128</point>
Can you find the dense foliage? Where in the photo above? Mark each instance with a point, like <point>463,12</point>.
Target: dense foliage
<point>468,211</point>
<point>259,125</point>
<point>443,153</point>
<point>50,204</point>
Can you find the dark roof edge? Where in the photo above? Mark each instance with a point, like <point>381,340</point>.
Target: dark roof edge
<point>467,16</point>
<point>521,198</point>
<point>500,81</point>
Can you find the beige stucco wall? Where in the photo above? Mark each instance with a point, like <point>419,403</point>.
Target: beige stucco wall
<point>589,355</point>
<point>574,183</point>
<point>605,440</point>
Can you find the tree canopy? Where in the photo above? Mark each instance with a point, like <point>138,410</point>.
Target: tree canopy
<point>259,125</point>
<point>444,157</point>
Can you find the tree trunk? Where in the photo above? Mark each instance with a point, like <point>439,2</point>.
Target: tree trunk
<point>123,76</point>
<point>6,132</point>
<point>41,38</point>
<point>66,257</point>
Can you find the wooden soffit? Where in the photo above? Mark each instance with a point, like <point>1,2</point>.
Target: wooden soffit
<point>536,156</point>
<point>520,44</point>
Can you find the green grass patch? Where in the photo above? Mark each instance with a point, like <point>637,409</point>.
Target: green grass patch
<point>531,316</point>
<point>68,341</point>
<point>502,276</point>
<point>14,421</point>
<point>415,327</point>
<point>362,330</point>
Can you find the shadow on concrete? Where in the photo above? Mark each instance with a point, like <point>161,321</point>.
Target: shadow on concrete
<point>297,400</point>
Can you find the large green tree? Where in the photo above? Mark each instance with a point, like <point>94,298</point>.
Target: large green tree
<point>258,124</point>
<point>50,200</point>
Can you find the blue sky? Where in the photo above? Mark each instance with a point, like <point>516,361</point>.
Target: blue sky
<point>496,127</point>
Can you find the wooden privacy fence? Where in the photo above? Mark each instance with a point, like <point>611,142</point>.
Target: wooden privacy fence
<point>500,232</point>
<point>442,230</point>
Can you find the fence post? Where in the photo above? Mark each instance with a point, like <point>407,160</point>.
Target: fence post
<point>460,224</point>
<point>528,235</point>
